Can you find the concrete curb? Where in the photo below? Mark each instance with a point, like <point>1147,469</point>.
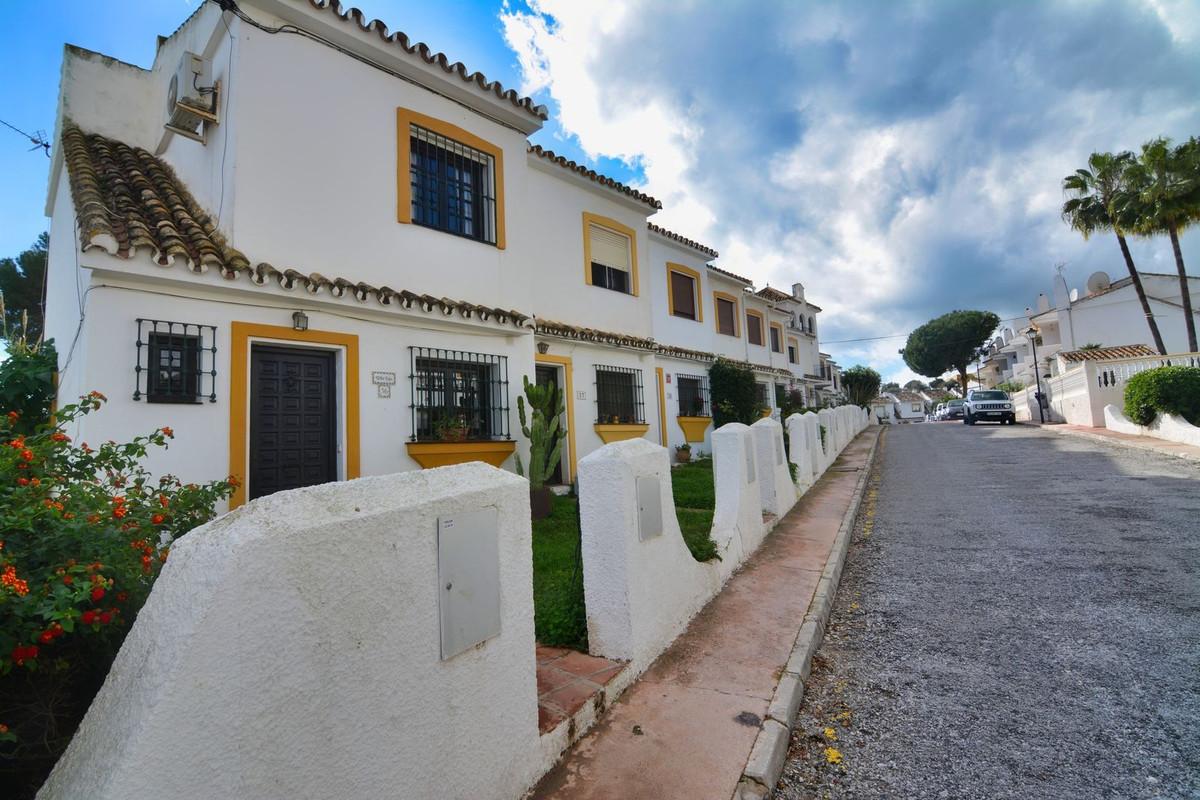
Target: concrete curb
<point>1151,446</point>
<point>765,764</point>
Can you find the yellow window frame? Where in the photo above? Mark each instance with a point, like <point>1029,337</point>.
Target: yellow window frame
<point>782,345</point>
<point>737,314</point>
<point>590,219</point>
<point>405,119</point>
<point>695,276</point>
<point>762,326</point>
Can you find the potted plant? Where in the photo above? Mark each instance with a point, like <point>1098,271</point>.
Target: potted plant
<point>545,435</point>
<point>452,429</point>
<point>683,453</point>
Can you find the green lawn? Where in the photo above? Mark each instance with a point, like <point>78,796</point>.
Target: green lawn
<point>558,611</point>
<point>558,615</point>
<point>695,499</point>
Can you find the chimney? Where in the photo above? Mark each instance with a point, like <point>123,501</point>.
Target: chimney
<point>798,291</point>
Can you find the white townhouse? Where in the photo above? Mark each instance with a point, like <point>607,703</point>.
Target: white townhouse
<point>318,250</point>
<point>1105,313</point>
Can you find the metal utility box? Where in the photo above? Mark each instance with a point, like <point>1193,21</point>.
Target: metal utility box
<point>468,579</point>
<point>650,515</point>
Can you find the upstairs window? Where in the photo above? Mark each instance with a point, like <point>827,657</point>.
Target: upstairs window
<point>792,359</point>
<point>458,396</point>
<point>754,327</point>
<point>619,396</point>
<point>453,186</point>
<point>726,315</point>
<point>693,395</point>
<point>776,338</point>
<point>610,257</point>
<point>175,362</point>
<point>683,292</point>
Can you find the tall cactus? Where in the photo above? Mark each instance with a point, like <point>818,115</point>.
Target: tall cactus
<point>543,430</point>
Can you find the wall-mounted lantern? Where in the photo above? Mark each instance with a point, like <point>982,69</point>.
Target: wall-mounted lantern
<point>299,321</point>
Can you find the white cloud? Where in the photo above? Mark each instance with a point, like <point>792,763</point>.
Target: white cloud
<point>899,162</point>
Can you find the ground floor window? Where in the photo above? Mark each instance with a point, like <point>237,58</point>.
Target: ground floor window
<point>176,362</point>
<point>694,399</point>
<point>764,394</point>
<point>458,396</point>
<point>619,395</point>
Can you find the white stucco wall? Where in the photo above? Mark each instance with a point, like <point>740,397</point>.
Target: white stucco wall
<point>776,489</point>
<point>1170,427</point>
<point>736,476</point>
<point>200,450</point>
<point>800,450</point>
<point>640,594</point>
<point>291,649</point>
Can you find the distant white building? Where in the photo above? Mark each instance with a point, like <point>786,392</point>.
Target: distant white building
<point>1106,313</point>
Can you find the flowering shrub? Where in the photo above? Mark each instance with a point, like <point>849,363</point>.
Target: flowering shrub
<point>84,532</point>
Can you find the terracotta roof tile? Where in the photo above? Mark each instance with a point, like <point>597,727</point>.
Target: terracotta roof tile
<point>595,177</point>
<point>1109,353</point>
<point>708,251</point>
<point>728,274</point>
<point>565,330</point>
<point>401,40</point>
<point>128,201</point>
<point>773,294</point>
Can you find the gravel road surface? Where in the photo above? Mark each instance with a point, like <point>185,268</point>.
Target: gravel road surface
<point>1019,617</point>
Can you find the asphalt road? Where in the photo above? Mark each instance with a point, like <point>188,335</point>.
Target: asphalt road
<point>1019,617</point>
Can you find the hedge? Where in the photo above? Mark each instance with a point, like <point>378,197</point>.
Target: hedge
<point>1173,390</point>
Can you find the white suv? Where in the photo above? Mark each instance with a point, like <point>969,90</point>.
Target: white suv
<point>988,405</point>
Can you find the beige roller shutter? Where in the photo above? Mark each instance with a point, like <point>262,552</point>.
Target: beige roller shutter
<point>609,247</point>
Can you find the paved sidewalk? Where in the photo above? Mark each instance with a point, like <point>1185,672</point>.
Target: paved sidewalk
<point>1106,436</point>
<point>685,728</point>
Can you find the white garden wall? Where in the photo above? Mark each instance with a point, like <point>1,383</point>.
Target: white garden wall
<point>291,649</point>
<point>776,488</point>
<point>641,584</point>
<point>1170,427</point>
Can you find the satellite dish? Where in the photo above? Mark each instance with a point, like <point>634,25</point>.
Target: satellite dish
<point>1098,282</point>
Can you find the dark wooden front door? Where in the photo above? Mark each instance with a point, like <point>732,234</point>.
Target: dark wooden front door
<point>293,418</point>
<point>548,376</point>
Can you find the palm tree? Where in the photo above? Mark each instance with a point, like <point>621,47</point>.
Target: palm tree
<point>1091,206</point>
<point>1161,196</point>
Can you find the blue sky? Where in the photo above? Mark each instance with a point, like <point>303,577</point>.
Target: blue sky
<point>901,158</point>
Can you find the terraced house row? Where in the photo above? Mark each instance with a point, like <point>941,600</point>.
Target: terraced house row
<point>320,251</point>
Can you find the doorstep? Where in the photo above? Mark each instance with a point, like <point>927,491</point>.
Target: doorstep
<point>575,688</point>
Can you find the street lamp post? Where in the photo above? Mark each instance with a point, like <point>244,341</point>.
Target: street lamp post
<point>1032,332</point>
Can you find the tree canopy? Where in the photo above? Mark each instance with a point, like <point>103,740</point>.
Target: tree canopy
<point>861,385</point>
<point>950,342</point>
<point>21,282</point>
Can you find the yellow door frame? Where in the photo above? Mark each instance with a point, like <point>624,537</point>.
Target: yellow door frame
<point>662,407</point>
<point>569,391</point>
<point>239,395</point>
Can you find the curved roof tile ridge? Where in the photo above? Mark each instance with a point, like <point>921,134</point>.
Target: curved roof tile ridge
<point>594,176</point>
<point>353,15</point>
<point>692,243</point>
<point>128,201</point>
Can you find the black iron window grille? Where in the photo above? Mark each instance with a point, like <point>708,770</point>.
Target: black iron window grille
<point>693,395</point>
<point>453,186</point>
<point>176,362</point>
<point>458,396</point>
<point>764,394</point>
<point>619,395</point>
<point>792,354</point>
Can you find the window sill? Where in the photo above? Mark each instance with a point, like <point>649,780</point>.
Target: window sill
<point>617,432</point>
<point>443,454</point>
<point>694,427</point>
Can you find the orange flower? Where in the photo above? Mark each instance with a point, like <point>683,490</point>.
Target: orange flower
<point>97,395</point>
<point>163,501</point>
<point>35,482</point>
<point>59,436</point>
<point>27,455</point>
<point>119,512</point>
<point>157,519</point>
<point>22,481</point>
<point>170,434</point>
<point>17,585</point>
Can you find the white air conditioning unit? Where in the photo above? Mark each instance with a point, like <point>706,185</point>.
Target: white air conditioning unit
<point>191,98</point>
